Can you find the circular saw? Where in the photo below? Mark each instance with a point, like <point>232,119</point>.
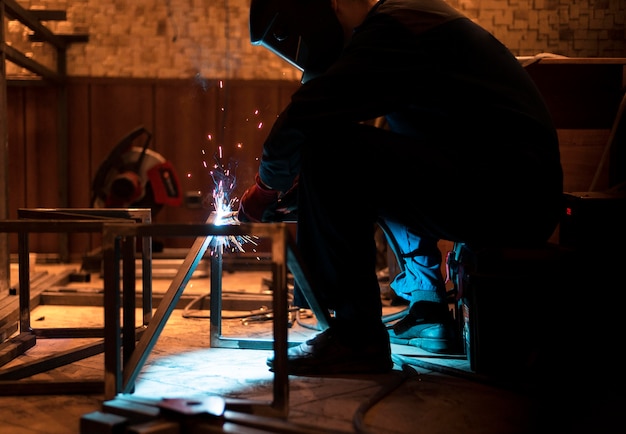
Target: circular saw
<point>135,177</point>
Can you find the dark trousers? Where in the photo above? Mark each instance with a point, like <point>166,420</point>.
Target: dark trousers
<point>352,177</point>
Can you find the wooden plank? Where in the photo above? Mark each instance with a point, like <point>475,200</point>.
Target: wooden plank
<point>10,308</point>
<point>7,330</point>
<point>16,346</point>
<point>44,364</point>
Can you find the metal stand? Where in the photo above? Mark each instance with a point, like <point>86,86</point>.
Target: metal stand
<point>121,375</point>
<point>66,221</point>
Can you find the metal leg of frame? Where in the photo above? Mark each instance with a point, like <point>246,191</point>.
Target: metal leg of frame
<point>24,279</point>
<point>112,342</point>
<point>149,337</point>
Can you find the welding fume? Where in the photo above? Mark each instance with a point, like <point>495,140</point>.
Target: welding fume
<point>466,151</point>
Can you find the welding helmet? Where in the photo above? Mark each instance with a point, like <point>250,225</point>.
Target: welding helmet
<point>305,33</point>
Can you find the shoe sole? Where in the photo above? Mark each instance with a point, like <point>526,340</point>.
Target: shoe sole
<point>335,369</point>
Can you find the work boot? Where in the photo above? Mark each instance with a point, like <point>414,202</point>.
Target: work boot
<point>428,326</point>
<point>328,354</point>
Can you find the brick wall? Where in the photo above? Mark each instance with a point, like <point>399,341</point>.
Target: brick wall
<point>209,38</point>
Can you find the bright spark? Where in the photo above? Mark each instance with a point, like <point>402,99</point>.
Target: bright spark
<point>224,178</point>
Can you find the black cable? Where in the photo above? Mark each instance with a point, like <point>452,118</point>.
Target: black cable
<point>358,420</point>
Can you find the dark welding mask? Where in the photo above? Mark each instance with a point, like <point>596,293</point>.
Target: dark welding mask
<point>305,33</point>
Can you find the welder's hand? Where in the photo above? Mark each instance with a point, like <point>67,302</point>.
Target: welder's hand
<point>287,207</point>
<point>258,203</point>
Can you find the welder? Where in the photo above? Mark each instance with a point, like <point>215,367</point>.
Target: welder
<point>469,154</point>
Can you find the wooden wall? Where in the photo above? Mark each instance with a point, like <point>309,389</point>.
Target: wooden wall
<point>236,114</point>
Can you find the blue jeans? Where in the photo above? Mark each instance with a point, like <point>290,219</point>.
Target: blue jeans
<point>419,260</point>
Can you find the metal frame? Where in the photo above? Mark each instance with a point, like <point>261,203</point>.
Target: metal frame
<point>26,338</point>
<point>122,339</point>
<point>102,215</point>
<point>118,244</point>
<point>66,221</point>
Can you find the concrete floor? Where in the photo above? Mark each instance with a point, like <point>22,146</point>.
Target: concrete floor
<point>424,394</point>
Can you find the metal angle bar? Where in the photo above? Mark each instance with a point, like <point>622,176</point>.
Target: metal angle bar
<point>49,387</point>
<point>163,312</point>
<point>302,280</point>
<point>215,300</point>
<point>280,402</point>
<point>19,59</point>
<point>14,10</point>
<point>53,226</point>
<point>112,342</point>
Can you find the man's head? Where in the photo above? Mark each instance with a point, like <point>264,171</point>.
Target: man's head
<point>306,33</point>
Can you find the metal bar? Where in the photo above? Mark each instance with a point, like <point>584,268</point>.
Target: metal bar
<point>52,226</point>
<point>161,315</point>
<point>146,278</point>
<point>280,401</point>
<point>5,255</point>
<point>199,229</point>
<point>111,267</point>
<point>128,298</point>
<point>68,332</point>
<point>20,59</point>
<point>142,215</point>
<point>215,299</point>
<point>14,10</point>
<point>24,279</point>
<point>48,14</point>
<point>44,387</point>
<point>302,280</point>
<point>59,359</point>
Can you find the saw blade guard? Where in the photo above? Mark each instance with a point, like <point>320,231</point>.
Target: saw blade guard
<point>136,176</point>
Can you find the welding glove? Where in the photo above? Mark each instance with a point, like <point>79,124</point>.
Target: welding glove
<point>258,203</point>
